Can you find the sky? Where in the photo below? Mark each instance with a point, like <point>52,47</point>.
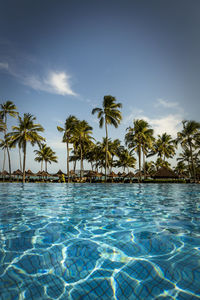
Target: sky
<point>62,57</point>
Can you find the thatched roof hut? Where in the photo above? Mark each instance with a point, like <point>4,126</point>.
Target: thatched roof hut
<point>17,173</point>
<point>59,173</point>
<point>4,173</point>
<point>112,174</point>
<point>29,173</point>
<point>164,172</point>
<point>130,175</point>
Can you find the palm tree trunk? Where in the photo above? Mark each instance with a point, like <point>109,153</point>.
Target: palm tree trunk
<point>20,160</point>
<point>139,162</point>
<point>4,159</point>
<point>67,144</point>
<point>81,171</point>
<point>24,162</point>
<point>41,165</point>
<point>46,168</point>
<point>144,167</point>
<point>9,162</point>
<point>106,162</point>
<point>192,161</point>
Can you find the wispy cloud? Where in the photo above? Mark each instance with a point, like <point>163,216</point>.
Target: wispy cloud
<point>165,103</point>
<point>168,122</point>
<point>4,66</point>
<point>54,82</point>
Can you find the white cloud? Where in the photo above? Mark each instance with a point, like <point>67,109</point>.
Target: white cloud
<point>165,103</point>
<point>55,82</point>
<point>170,123</point>
<point>4,65</point>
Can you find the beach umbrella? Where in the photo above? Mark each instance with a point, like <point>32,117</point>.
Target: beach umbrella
<point>44,174</point>
<point>91,174</point>
<point>60,173</point>
<point>130,175</point>
<point>17,173</point>
<point>4,173</point>
<point>164,172</point>
<point>29,173</point>
<point>112,175</point>
<point>38,173</point>
<point>123,174</point>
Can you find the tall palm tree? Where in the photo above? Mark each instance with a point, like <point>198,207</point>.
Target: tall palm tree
<point>6,144</point>
<point>115,147</point>
<point>2,125</point>
<point>70,125</point>
<point>7,109</point>
<point>187,137</point>
<point>26,131</point>
<point>126,160</point>
<point>138,137</point>
<point>180,169</point>
<point>165,146</point>
<point>82,136</point>
<point>45,154</point>
<point>110,115</point>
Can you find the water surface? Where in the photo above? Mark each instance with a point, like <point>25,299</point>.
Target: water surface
<point>99,241</point>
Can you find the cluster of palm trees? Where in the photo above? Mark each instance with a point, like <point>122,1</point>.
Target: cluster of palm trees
<point>81,145</point>
<point>26,131</point>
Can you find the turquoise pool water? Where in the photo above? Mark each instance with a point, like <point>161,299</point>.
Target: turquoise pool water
<point>97,241</point>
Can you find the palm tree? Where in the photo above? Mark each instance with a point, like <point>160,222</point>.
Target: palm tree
<point>70,125</point>
<point>115,149</point>
<point>27,131</point>
<point>161,163</point>
<point>165,146</point>
<point>180,169</point>
<point>82,137</point>
<point>7,109</point>
<point>138,138</point>
<point>110,115</point>
<point>45,154</point>
<point>2,125</point>
<point>6,144</point>
<point>126,160</point>
<point>187,137</point>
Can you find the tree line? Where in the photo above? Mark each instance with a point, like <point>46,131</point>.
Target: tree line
<point>139,141</point>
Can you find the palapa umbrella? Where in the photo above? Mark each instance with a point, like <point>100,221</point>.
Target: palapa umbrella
<point>112,175</point>
<point>91,174</point>
<point>39,173</point>
<point>123,174</point>
<point>59,173</point>
<point>130,175</point>
<point>29,173</point>
<point>17,173</point>
<point>44,174</point>
<point>4,173</point>
<point>164,172</point>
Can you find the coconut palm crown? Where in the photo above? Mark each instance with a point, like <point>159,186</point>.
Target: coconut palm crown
<point>187,138</point>
<point>110,115</point>
<point>27,131</point>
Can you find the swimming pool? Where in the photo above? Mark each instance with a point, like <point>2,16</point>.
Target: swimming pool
<point>99,241</point>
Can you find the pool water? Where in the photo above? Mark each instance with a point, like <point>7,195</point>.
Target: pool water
<point>99,241</point>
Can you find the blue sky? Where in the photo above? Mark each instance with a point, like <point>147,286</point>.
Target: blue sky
<point>61,57</point>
